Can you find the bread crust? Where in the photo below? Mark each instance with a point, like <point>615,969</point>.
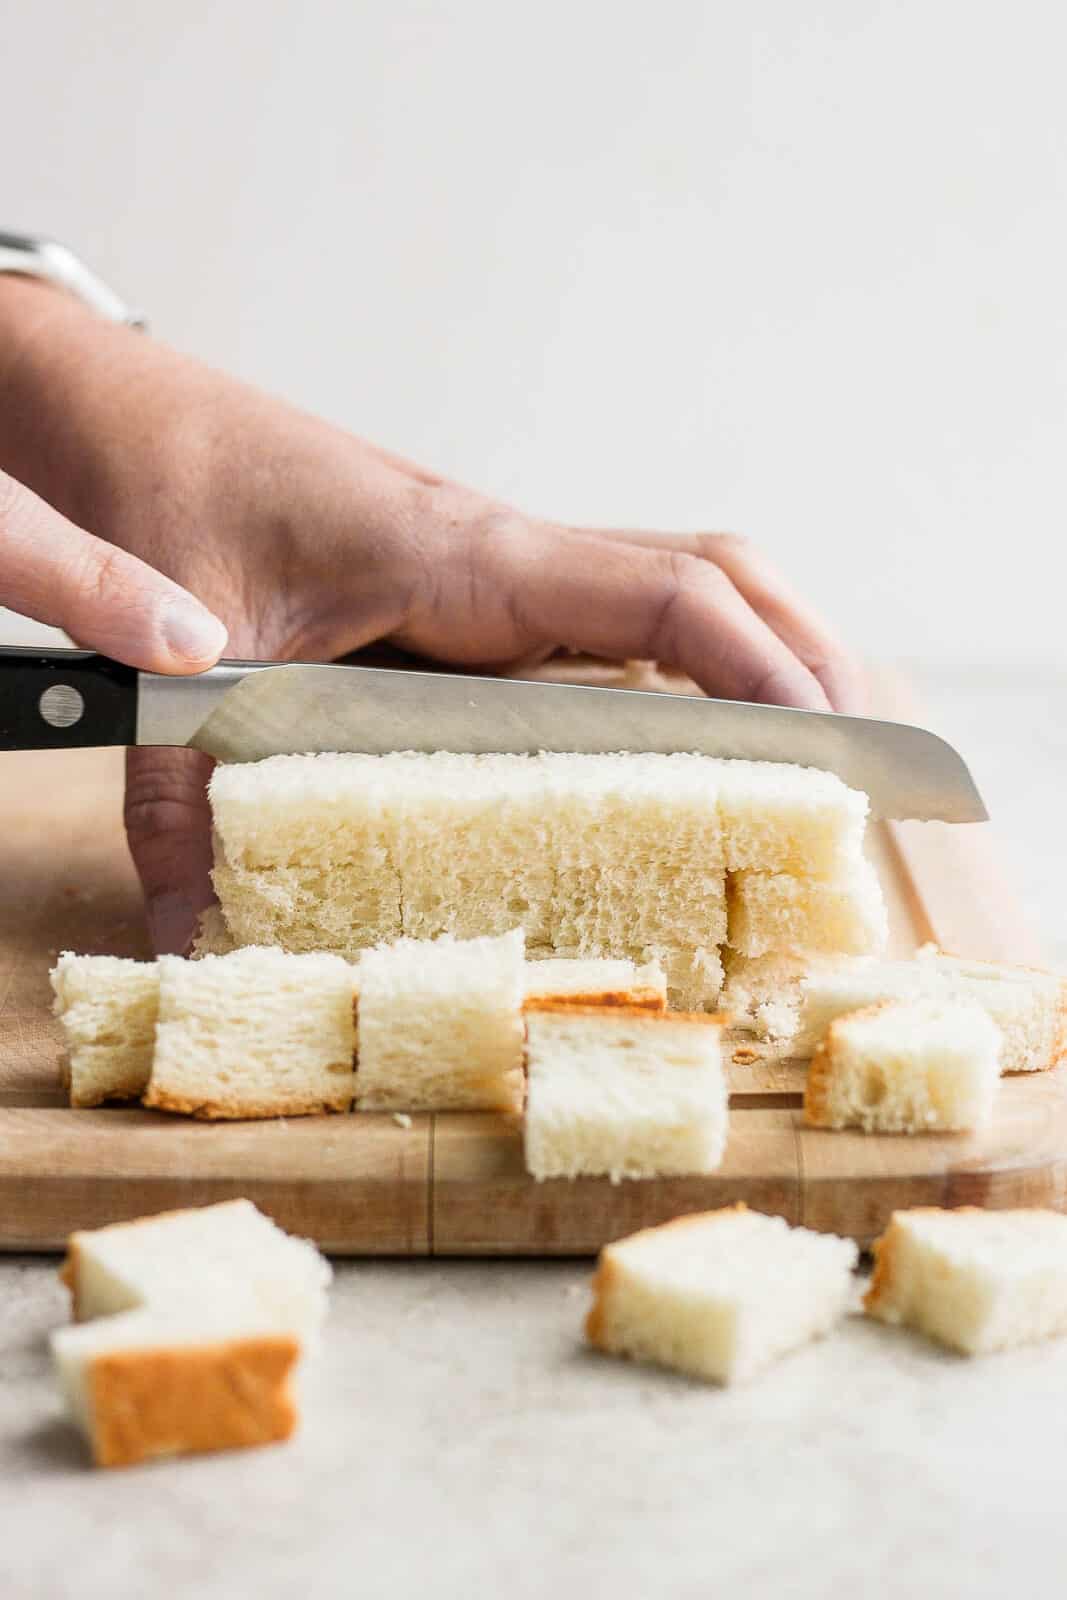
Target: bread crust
<point>157,1098</point>
<point>639,998</point>
<point>576,1007</point>
<point>70,1276</point>
<point>1059,1041</point>
<point>166,1401</point>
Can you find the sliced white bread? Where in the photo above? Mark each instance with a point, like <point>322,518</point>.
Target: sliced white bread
<point>974,1280</point>
<point>906,1066</point>
<point>596,982</point>
<point>189,1326</point>
<point>259,1033</point>
<point>721,1294</point>
<point>107,1009</point>
<point>623,1093</point>
<point>777,912</point>
<point>440,1025</point>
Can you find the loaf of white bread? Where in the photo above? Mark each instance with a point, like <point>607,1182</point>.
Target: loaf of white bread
<point>720,1294</point>
<point>187,1329</point>
<point>623,1092</point>
<point>625,856</point>
<point>794,1001</point>
<point>974,1280</point>
<point>905,1066</point>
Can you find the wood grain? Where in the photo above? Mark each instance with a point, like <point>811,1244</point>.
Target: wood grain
<point>456,1184</point>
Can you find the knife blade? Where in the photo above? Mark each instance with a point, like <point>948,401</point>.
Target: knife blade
<point>244,711</point>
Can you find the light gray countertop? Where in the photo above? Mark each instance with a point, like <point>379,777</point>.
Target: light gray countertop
<point>458,1440</point>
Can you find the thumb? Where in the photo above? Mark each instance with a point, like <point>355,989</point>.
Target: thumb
<point>55,572</point>
<point>168,826</point>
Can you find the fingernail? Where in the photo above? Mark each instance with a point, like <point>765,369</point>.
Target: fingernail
<point>171,923</point>
<point>191,631</point>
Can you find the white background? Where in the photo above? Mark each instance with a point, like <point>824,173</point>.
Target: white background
<point>794,270</point>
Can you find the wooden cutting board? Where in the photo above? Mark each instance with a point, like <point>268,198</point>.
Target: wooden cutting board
<point>455,1184</point>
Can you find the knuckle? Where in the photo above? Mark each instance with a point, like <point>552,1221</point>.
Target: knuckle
<point>715,546</point>
<point>102,574</point>
<point>684,579</point>
<point>166,795</point>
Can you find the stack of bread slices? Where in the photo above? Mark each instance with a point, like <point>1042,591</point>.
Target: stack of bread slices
<point>671,858</point>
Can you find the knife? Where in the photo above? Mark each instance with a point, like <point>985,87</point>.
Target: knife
<point>246,710</point>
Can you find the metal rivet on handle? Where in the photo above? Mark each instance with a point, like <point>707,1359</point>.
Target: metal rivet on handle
<point>61,706</point>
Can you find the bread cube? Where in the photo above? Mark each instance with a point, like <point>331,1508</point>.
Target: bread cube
<point>190,1324</point>
<point>622,1092</point>
<point>440,1025</point>
<point>107,1008</point>
<point>719,1295</point>
<point>905,1066</point>
<point>259,1033</point>
<point>974,1280</point>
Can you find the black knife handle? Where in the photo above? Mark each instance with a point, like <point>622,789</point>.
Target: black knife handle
<point>65,700</point>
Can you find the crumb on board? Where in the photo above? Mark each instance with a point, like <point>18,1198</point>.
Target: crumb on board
<point>744,1055</point>
<point>401,1119</point>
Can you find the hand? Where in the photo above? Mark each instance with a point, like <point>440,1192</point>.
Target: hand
<point>309,543</point>
<point>55,572</point>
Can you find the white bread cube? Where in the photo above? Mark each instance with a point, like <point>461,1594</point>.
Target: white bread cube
<point>623,1092</point>
<point>721,1294</point>
<point>1029,1007</point>
<point>107,1009</point>
<point>190,1324</point>
<point>259,1033</point>
<point>776,912</point>
<point>596,981</point>
<point>440,1025</point>
<point>781,818</point>
<point>906,1066</point>
<point>974,1280</point>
